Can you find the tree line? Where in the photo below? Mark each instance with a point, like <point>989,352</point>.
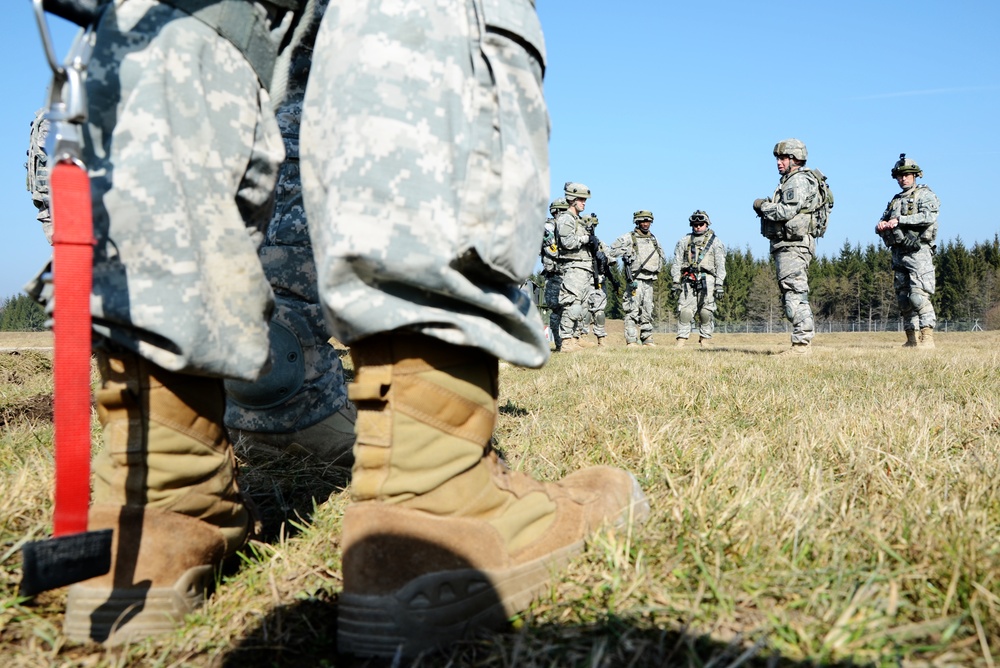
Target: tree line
<point>856,286</point>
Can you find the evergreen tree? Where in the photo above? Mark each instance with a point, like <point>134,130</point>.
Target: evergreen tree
<point>21,313</point>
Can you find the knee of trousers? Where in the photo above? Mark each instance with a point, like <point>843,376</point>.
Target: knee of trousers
<point>685,315</point>
<point>282,381</point>
<point>599,318</point>
<point>919,300</point>
<point>574,311</point>
<point>706,315</point>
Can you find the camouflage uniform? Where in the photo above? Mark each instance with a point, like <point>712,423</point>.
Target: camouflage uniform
<point>394,132</point>
<point>916,208</point>
<point>38,172</point>
<point>183,158</point>
<point>705,255</point>
<point>786,222</point>
<point>646,259</point>
<point>577,263</point>
<point>551,271</point>
<point>305,383</point>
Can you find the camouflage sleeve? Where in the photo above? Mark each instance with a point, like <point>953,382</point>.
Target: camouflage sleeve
<point>797,194</point>
<point>927,210</point>
<point>675,268</point>
<point>568,237</point>
<point>621,247</point>
<point>720,262</point>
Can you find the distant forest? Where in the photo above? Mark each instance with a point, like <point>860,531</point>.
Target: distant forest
<point>854,286</point>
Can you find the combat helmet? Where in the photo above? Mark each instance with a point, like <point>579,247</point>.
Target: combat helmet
<point>792,147</point>
<point>558,205</point>
<point>700,216</point>
<point>905,166</point>
<point>576,191</point>
<point>642,215</point>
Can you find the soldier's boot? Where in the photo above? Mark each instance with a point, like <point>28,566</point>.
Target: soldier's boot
<point>705,342</point>
<point>441,537</point>
<point>798,350</point>
<point>570,345</point>
<point>600,340</point>
<point>911,339</point>
<point>649,342</point>
<point>633,344</point>
<point>585,342</point>
<point>681,342</point>
<point>165,482</point>
<point>330,441</point>
<point>926,337</point>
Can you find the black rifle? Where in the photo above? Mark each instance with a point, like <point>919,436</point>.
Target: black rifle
<point>599,261</point>
<point>689,275</point>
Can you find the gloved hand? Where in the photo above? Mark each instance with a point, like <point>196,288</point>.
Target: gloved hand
<point>676,289</point>
<point>718,292</point>
<point>758,203</point>
<point>594,242</point>
<point>910,242</point>
<point>632,287</point>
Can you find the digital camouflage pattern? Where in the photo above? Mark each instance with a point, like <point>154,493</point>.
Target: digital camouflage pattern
<point>708,262</point>
<point>916,208</point>
<point>424,163</point>
<point>287,257</point>
<point>786,222</point>
<point>37,167</point>
<point>646,259</point>
<point>183,151</point>
<point>577,264</point>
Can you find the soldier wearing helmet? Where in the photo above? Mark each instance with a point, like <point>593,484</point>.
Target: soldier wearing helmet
<point>644,258</point>
<point>787,220</point>
<point>595,304</point>
<point>551,270</point>
<point>576,264</point>
<point>909,228</point>
<point>698,275</point>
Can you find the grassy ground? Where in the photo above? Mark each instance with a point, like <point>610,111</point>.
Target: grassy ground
<point>838,509</point>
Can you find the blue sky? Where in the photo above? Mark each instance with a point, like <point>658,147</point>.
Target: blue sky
<point>673,107</point>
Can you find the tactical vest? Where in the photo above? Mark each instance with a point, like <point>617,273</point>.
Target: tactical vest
<point>642,263</point>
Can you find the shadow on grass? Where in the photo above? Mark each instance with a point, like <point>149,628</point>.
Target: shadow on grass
<point>305,634</point>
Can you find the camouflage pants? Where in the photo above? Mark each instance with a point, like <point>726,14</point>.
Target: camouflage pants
<point>183,153</point>
<point>791,265</point>
<point>305,383</point>
<point>425,163</point>
<point>639,312</point>
<point>553,285</point>
<point>576,285</point>
<point>594,306</point>
<point>913,280</point>
<point>692,303</point>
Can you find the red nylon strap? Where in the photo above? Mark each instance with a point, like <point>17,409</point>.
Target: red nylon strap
<point>73,254</point>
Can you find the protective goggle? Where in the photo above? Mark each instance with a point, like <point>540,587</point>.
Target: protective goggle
<point>698,217</point>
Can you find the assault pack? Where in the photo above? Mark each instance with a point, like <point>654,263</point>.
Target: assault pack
<point>821,214</point>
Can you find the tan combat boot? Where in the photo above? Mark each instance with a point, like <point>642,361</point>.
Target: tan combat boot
<point>570,346</point>
<point>911,339</point>
<point>600,340</point>
<point>441,537</point>
<point>166,483</point>
<point>585,342</point>
<point>681,342</point>
<point>705,342</point>
<point>798,350</point>
<point>926,337</point>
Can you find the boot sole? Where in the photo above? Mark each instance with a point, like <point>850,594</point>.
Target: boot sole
<point>438,608</point>
<point>122,615</point>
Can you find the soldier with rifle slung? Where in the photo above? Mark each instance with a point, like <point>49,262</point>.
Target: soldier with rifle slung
<point>596,301</point>
<point>576,261</point>
<point>698,275</point>
<point>643,259</point>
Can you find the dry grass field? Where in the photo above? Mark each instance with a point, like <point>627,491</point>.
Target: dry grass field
<point>841,509</point>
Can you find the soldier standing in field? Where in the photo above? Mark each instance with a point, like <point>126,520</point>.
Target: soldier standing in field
<point>577,262</point>
<point>644,259</point>
<point>183,152</point>
<point>552,269</point>
<point>37,167</point>
<point>787,220</point>
<point>909,228</point>
<point>596,302</point>
<point>698,275</point>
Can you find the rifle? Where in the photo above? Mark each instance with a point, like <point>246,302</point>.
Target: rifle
<point>598,260</point>
<point>689,275</point>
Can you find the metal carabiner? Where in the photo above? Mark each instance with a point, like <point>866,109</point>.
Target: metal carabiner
<point>66,107</point>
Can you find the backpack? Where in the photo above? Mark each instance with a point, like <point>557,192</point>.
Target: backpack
<point>821,214</point>
<point>37,181</point>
